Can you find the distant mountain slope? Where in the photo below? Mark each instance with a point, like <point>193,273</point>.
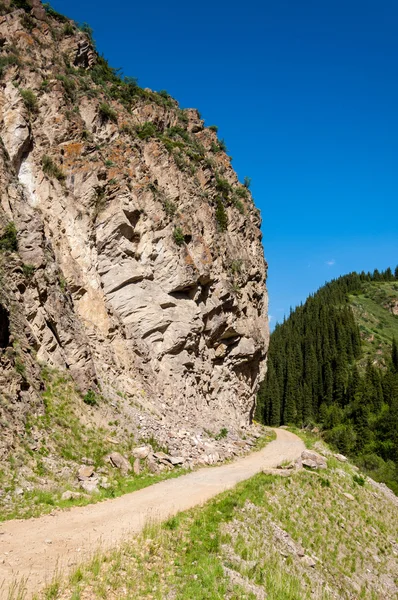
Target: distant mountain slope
<point>376,310</point>
<point>334,362</point>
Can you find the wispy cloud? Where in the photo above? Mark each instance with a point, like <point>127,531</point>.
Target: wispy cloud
<point>330,262</point>
<point>270,317</point>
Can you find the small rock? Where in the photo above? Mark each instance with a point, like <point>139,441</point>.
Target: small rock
<point>310,464</point>
<point>68,495</point>
<point>120,462</point>
<point>308,561</point>
<point>176,460</point>
<point>318,459</point>
<point>290,465</point>
<point>141,452</point>
<point>48,541</point>
<point>89,485</point>
<point>340,457</point>
<point>85,472</point>
<point>348,496</point>
<point>161,455</point>
<point>152,465</point>
<point>137,466</point>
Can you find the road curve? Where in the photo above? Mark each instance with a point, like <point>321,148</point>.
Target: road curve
<point>35,549</point>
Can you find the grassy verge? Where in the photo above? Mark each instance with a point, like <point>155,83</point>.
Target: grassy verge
<point>258,541</point>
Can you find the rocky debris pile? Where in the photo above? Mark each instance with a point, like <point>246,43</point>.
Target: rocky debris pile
<point>198,445</point>
<point>146,458</point>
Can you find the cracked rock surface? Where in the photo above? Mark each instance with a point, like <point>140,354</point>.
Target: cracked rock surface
<point>140,268</point>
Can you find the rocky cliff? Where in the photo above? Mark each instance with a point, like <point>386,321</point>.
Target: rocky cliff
<point>131,255</point>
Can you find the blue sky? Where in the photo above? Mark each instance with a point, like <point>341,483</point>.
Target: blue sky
<point>305,95</point>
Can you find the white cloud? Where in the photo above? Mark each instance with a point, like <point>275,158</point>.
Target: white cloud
<point>270,317</point>
<point>330,262</point>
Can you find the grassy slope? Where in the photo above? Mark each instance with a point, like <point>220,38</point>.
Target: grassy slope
<point>376,322</point>
<point>243,545</point>
<point>68,435</point>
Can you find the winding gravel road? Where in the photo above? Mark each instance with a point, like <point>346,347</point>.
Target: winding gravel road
<point>35,549</point>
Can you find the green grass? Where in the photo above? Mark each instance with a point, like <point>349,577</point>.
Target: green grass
<point>377,324</point>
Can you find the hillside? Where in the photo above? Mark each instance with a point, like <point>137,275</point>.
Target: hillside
<point>133,306</point>
<point>334,363</point>
<point>375,308</point>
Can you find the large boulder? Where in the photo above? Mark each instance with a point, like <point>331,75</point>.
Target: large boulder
<point>120,462</point>
<point>311,460</point>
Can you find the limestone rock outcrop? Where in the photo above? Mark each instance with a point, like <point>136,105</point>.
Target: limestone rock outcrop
<point>140,267</point>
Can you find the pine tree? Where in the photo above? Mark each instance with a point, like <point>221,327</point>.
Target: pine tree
<point>394,355</point>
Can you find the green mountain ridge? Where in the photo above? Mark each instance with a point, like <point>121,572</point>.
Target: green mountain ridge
<point>334,363</point>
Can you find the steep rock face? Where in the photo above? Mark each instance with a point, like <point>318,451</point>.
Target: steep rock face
<point>147,275</point>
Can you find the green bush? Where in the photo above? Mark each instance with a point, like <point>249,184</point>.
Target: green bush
<point>241,192</point>
<point>107,113</point>
<point>51,169</point>
<point>90,398</point>
<point>21,4</point>
<point>222,147</point>
<point>53,13</point>
<point>28,23</point>
<point>223,186</point>
<point>8,241</point>
<point>359,480</point>
<point>236,265</point>
<point>169,208</point>
<point>221,215</point>
<point>30,101</point>
<point>178,236</point>
<point>20,367</point>
<point>28,270</point>
<point>69,29</point>
<point>146,131</point>
<point>6,61</point>
<point>343,437</point>
<point>222,434</point>
<point>213,128</point>
<point>239,205</point>
<point>247,182</point>
<point>69,86</point>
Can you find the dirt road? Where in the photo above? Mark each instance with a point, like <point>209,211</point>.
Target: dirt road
<point>34,549</point>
